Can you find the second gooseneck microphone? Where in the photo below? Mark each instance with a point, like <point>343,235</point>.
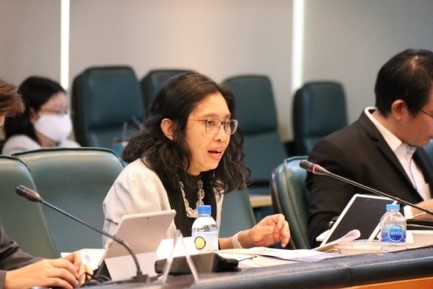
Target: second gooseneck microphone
<point>319,170</point>
<point>34,196</point>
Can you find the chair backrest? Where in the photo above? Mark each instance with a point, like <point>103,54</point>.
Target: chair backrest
<point>256,112</point>
<point>24,221</point>
<point>319,108</point>
<point>103,100</point>
<point>237,214</point>
<point>153,80</point>
<point>76,180</point>
<point>289,197</point>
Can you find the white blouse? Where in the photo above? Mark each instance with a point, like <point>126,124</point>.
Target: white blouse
<point>138,189</point>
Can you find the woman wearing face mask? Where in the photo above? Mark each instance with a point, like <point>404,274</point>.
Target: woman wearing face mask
<point>44,123</point>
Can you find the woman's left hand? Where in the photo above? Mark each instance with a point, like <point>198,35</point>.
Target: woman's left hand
<point>268,231</point>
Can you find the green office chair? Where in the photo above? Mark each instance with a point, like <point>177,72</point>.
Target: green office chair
<point>319,108</point>
<point>255,110</point>
<point>153,80</point>
<point>289,197</point>
<point>23,220</point>
<point>237,214</point>
<point>103,100</point>
<point>76,180</point>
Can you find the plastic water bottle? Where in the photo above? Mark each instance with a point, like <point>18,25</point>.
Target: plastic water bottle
<point>393,229</point>
<point>205,230</point>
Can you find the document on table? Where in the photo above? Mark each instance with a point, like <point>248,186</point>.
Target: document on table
<point>264,256</point>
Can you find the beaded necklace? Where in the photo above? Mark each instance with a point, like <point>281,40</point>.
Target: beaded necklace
<point>193,213</point>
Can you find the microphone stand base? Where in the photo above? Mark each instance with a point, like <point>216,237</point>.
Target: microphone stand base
<point>135,279</point>
<point>140,278</point>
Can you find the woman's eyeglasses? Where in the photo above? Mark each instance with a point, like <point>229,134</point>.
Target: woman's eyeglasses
<point>60,112</point>
<point>212,126</point>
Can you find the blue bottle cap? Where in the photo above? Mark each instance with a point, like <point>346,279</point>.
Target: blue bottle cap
<point>204,210</point>
<point>392,207</point>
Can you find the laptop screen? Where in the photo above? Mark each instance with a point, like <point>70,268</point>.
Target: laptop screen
<point>143,233</point>
<point>363,212</point>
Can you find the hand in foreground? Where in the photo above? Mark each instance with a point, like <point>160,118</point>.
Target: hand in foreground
<point>268,231</point>
<point>84,272</point>
<point>63,272</point>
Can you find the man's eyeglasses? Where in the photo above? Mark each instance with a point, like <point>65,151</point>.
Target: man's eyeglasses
<point>426,113</point>
<point>212,126</point>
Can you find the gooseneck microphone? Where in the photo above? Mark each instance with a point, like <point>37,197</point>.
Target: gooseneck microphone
<point>319,170</point>
<point>34,196</point>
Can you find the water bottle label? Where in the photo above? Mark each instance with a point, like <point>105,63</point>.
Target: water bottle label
<point>200,242</point>
<point>393,234</point>
<point>206,241</point>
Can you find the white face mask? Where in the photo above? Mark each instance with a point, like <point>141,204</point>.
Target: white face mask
<point>54,127</point>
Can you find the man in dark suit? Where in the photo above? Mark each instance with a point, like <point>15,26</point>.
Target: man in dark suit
<point>382,148</point>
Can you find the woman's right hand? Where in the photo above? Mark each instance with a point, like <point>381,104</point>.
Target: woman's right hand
<point>270,230</point>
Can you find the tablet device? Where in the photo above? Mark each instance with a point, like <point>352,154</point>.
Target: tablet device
<point>363,212</point>
<point>143,233</point>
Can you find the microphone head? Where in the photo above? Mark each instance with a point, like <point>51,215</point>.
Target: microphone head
<point>306,165</point>
<point>313,168</point>
<point>28,193</point>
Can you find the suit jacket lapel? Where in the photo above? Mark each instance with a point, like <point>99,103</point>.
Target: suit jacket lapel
<point>422,160</point>
<point>420,157</point>
<point>383,146</point>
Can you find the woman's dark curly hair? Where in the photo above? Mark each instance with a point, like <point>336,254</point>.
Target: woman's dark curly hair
<point>176,100</point>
